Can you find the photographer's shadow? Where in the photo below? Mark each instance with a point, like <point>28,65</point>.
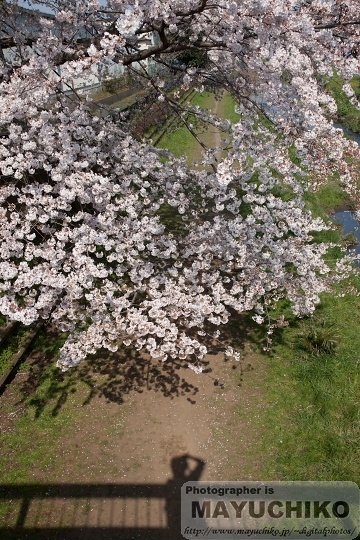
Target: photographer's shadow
<point>185,468</point>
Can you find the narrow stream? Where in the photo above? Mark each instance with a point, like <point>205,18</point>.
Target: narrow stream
<point>352,134</point>
<point>345,217</point>
<point>349,225</point>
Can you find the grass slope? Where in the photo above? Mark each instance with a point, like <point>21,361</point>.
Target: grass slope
<point>315,398</point>
<point>348,115</point>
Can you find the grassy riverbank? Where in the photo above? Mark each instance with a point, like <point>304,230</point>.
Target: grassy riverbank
<point>313,384</point>
<point>348,115</point>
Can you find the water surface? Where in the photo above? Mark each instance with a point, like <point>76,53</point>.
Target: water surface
<point>349,225</point>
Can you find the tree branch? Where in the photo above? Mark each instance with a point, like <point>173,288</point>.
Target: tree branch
<point>335,24</point>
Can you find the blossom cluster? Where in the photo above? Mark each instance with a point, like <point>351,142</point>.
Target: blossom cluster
<point>84,241</point>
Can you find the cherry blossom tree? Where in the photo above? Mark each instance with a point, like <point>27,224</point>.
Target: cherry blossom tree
<point>84,242</point>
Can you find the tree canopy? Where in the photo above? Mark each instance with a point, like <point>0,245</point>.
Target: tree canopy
<point>83,239</point>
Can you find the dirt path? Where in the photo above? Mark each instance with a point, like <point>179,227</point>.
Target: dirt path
<point>212,137</point>
<point>120,468</point>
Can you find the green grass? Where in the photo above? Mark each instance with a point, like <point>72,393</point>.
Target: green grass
<point>44,414</point>
<point>39,419</point>
<point>33,452</point>
<point>33,446</point>
<point>11,346</point>
<point>53,389</point>
<point>227,109</point>
<point>349,116</point>
<point>315,399</point>
<point>322,202</point>
<point>180,142</point>
<point>41,414</point>
<point>49,346</point>
<point>202,99</point>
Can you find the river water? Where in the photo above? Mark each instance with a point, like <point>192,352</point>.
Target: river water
<point>352,134</point>
<point>346,217</point>
<point>349,225</point>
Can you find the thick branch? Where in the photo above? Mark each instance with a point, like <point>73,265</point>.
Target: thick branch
<point>335,24</point>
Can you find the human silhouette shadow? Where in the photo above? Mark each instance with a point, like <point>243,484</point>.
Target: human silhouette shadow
<point>185,468</point>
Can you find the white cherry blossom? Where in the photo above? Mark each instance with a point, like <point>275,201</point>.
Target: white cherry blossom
<point>84,241</point>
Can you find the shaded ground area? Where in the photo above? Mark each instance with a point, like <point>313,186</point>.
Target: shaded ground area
<point>104,449</point>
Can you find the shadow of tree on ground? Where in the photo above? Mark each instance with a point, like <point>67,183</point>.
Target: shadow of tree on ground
<point>115,375</point>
